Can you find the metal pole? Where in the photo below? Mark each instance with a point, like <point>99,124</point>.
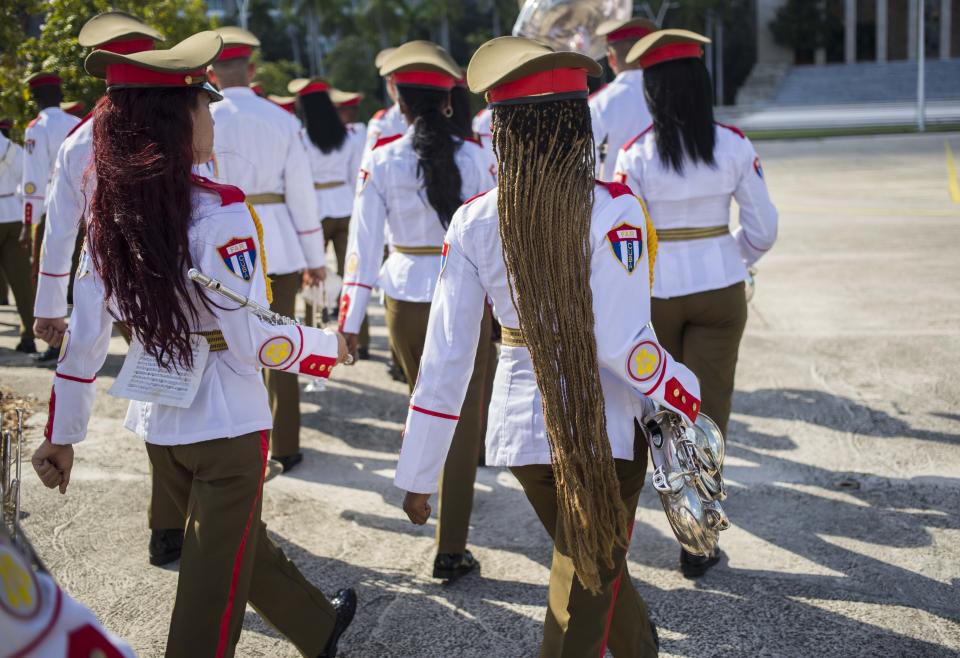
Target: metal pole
<point>921,67</point>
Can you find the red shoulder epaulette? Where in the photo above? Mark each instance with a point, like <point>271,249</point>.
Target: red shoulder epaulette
<point>634,140</point>
<point>601,88</point>
<point>383,141</point>
<point>33,122</point>
<point>732,129</point>
<point>82,121</point>
<point>474,139</point>
<point>615,189</point>
<point>477,196</point>
<point>379,113</point>
<point>477,115</point>
<point>228,193</point>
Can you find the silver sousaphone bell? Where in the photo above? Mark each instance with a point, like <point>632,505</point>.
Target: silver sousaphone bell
<point>688,475</point>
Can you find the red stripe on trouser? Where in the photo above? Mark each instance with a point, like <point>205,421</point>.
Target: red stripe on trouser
<point>238,560</point>
<point>616,590</point>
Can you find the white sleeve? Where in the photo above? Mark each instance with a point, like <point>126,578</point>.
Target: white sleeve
<point>445,368</point>
<point>356,154</point>
<point>364,249</point>
<point>758,216</point>
<point>235,261</point>
<point>599,134</point>
<point>627,347</point>
<point>36,174</point>
<point>624,172</point>
<point>301,200</point>
<point>64,214</point>
<point>82,355</point>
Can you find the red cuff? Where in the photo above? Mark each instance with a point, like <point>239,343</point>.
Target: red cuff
<point>317,366</point>
<point>679,398</point>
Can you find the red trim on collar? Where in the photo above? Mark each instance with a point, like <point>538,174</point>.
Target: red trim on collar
<point>424,79</point>
<point>671,52</point>
<point>554,81</point>
<point>477,196</point>
<point>379,113</point>
<point>383,141</point>
<point>634,140</point>
<point>131,74</point>
<point>635,32</point>
<point>599,89</point>
<point>615,189</point>
<point>127,46</point>
<point>82,121</point>
<point>234,52</point>
<point>314,88</point>
<point>228,193</point>
<point>732,129</point>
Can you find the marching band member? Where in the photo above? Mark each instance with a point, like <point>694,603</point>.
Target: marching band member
<point>335,151</point>
<point>688,168</point>
<point>348,107</point>
<point>119,32</point>
<point>14,256</point>
<point>619,110</point>
<point>42,139</point>
<point>388,121</point>
<point>258,148</point>
<point>149,220</point>
<point>578,368</point>
<point>412,184</point>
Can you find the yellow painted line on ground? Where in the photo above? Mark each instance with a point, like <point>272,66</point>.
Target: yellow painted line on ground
<point>953,183</point>
<point>863,211</point>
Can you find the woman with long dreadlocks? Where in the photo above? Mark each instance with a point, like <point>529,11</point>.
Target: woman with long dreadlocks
<point>688,168</point>
<point>558,253</point>
<point>411,184</point>
<point>150,220</point>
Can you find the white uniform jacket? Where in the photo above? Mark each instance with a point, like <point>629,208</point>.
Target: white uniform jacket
<point>11,169</point>
<point>67,204</point>
<point>42,139</point>
<point>390,195</point>
<point>619,112</point>
<point>698,198</point>
<point>258,148</point>
<point>360,128</point>
<point>633,366</point>
<point>385,123</point>
<point>483,127</point>
<point>232,399</point>
<point>335,174</point>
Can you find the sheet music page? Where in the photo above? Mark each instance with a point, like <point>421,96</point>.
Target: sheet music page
<point>141,377</point>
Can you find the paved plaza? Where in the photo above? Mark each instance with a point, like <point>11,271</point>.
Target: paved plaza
<point>843,463</point>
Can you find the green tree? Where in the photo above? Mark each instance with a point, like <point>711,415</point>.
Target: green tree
<point>55,46</point>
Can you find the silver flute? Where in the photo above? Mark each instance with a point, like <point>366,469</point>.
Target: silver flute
<point>259,310</point>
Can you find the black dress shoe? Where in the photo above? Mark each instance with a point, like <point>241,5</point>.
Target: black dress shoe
<point>364,353</point>
<point>48,355</point>
<point>165,546</point>
<point>345,603</point>
<point>454,566</point>
<point>396,372</point>
<point>694,566</point>
<point>26,346</point>
<point>289,461</point>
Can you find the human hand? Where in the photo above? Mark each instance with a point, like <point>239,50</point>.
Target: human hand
<point>313,277</point>
<point>343,349</point>
<point>53,464</point>
<point>50,330</point>
<point>417,507</point>
<point>353,344</point>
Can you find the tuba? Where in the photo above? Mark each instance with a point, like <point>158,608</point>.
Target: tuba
<point>570,24</point>
<point>688,476</point>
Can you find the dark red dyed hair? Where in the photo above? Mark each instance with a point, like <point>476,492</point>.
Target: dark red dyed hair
<point>140,214</point>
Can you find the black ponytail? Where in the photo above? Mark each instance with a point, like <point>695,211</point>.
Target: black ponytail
<point>322,121</point>
<point>435,141</point>
<point>680,98</point>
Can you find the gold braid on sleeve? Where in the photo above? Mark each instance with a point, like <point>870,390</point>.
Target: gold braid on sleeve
<point>263,251</point>
<point>651,240</point>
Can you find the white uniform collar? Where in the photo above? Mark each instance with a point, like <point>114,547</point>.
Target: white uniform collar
<point>630,76</point>
<point>233,92</point>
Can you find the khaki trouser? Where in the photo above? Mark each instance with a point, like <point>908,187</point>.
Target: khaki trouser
<point>703,332</point>
<point>282,387</point>
<point>337,230</point>
<point>228,559</point>
<point>75,260</point>
<point>15,264</point>
<point>407,323</point>
<point>579,624</point>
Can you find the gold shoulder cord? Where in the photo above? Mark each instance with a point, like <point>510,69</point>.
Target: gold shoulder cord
<point>263,251</point>
<point>651,240</point>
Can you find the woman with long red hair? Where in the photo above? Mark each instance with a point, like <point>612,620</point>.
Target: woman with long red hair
<point>150,221</point>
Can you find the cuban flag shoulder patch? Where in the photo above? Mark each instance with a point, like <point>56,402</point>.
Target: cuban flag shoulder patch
<point>240,256</point>
<point>757,167</point>
<point>626,242</point>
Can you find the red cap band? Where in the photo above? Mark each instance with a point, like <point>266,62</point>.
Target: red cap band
<point>129,74</point>
<point>287,106</point>
<point>554,81</point>
<point>45,80</point>
<point>257,89</point>
<point>127,46</point>
<point>635,32</point>
<point>670,52</point>
<point>314,88</point>
<point>424,79</point>
<point>234,52</point>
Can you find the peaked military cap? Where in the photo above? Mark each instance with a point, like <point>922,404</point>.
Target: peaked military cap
<point>42,79</point>
<point>666,46</point>
<point>73,107</point>
<point>237,42</point>
<point>286,102</point>
<point>631,28</point>
<point>304,86</point>
<point>512,70</point>
<point>382,56</point>
<point>345,98</point>
<point>421,64</point>
<point>118,32</point>
<point>184,65</point>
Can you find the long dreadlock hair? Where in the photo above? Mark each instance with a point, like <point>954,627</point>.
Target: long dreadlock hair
<point>545,196</point>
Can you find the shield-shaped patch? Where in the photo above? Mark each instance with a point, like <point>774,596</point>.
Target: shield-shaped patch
<point>626,242</point>
<point>240,256</point>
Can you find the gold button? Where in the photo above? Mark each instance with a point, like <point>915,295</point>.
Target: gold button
<point>313,366</point>
<point>187,79</point>
<point>684,399</point>
<point>98,653</point>
<point>676,392</point>
<point>694,406</point>
<point>322,368</point>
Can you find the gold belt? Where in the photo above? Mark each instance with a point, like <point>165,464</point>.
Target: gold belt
<point>217,342</point>
<point>512,337</point>
<point>678,234</point>
<point>265,199</point>
<point>329,185</point>
<point>418,251</point>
